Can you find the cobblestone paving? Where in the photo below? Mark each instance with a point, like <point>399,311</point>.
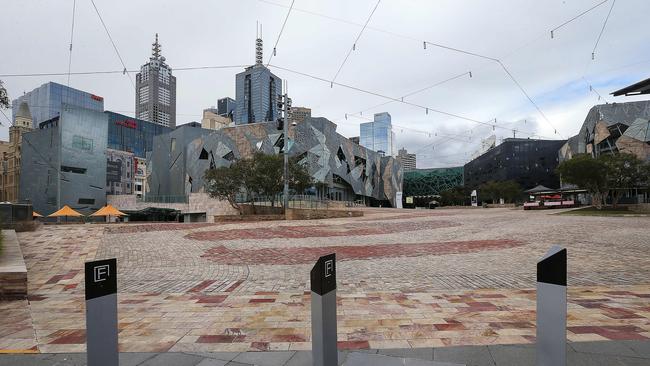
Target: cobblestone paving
<point>406,279</point>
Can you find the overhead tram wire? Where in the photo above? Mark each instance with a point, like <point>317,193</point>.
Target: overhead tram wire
<point>119,71</point>
<point>576,17</point>
<point>354,45</point>
<point>602,30</point>
<point>113,43</point>
<point>280,34</point>
<point>74,5</point>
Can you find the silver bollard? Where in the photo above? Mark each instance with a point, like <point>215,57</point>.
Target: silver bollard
<point>323,311</point>
<point>551,308</point>
<point>101,312</point>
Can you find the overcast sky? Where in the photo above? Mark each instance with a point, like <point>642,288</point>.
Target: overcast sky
<point>389,59</point>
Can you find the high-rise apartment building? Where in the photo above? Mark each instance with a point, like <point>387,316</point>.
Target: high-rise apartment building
<point>46,102</point>
<point>408,160</point>
<point>378,135</point>
<point>155,90</point>
<point>257,91</point>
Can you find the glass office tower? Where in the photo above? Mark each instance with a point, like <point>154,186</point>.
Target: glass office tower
<point>132,134</point>
<point>46,101</point>
<point>378,135</point>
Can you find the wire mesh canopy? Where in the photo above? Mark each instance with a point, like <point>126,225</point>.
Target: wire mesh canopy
<point>65,211</point>
<point>108,210</point>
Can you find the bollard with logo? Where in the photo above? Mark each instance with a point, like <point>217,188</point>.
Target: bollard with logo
<point>101,312</point>
<point>551,308</point>
<point>323,311</point>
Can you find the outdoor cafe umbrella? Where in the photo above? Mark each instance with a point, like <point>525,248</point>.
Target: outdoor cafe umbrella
<point>109,211</point>
<point>65,211</point>
<point>36,214</point>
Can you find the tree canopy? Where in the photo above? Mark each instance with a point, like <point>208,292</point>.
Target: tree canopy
<point>258,176</point>
<point>509,190</point>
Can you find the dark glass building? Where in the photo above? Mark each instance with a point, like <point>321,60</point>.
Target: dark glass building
<point>131,134</point>
<point>528,162</point>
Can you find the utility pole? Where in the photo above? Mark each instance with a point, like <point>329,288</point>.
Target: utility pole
<point>285,115</point>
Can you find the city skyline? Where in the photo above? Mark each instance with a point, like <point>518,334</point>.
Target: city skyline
<point>562,94</point>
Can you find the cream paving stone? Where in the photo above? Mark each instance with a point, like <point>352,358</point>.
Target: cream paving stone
<point>405,279</point>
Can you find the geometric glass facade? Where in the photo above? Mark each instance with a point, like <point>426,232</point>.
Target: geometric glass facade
<point>131,134</point>
<point>378,135</point>
<point>46,101</point>
<point>64,162</point>
<point>430,182</point>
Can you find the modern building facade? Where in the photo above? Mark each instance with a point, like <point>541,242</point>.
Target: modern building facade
<point>299,114</point>
<point>132,134</point>
<point>528,162</point>
<point>11,154</point>
<point>46,101</point>
<point>226,107</point>
<point>212,120</point>
<point>408,160</point>
<point>612,128</point>
<point>256,91</point>
<point>64,162</point>
<point>345,170</point>
<point>378,135</point>
<point>155,93</point>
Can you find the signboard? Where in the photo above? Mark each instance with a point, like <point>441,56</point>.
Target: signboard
<point>128,123</point>
<point>409,199</point>
<point>323,311</point>
<point>474,197</point>
<point>101,312</point>
<point>398,200</point>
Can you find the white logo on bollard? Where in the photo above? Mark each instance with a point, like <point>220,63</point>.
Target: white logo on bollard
<point>101,272</point>
<point>329,267</point>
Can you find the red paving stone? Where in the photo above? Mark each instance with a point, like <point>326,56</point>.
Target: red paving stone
<point>299,255</point>
<point>140,228</point>
<point>312,231</point>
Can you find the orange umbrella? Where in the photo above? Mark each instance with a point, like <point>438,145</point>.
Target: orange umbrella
<point>36,214</point>
<point>109,211</point>
<point>65,211</point>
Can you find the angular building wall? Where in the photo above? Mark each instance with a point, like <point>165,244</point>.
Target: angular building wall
<point>181,158</point>
<point>65,162</point>
<point>528,162</point>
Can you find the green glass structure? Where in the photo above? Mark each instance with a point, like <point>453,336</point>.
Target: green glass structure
<point>430,182</point>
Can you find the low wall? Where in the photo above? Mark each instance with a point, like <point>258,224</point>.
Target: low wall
<point>313,214</point>
<point>13,272</point>
<point>641,207</point>
<point>197,202</point>
<point>498,205</point>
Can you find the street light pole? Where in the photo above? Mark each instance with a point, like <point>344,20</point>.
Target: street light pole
<point>286,155</point>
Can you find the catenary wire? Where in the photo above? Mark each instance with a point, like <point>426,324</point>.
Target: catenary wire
<point>74,5</point>
<point>280,34</point>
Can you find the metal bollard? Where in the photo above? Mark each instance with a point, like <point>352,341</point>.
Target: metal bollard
<point>551,308</point>
<point>101,312</point>
<point>323,311</point>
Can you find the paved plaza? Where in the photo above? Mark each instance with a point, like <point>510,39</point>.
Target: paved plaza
<point>406,279</point>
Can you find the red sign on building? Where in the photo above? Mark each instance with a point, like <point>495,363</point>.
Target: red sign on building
<point>96,97</point>
<point>128,123</point>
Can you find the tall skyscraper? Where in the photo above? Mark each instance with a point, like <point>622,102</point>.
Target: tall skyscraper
<point>155,90</point>
<point>257,90</point>
<point>46,102</point>
<point>408,160</point>
<point>378,135</point>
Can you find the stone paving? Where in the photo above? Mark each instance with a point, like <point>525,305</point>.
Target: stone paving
<point>406,279</point>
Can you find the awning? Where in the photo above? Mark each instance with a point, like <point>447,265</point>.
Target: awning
<point>540,188</point>
<point>65,211</point>
<point>108,210</point>
<point>36,214</point>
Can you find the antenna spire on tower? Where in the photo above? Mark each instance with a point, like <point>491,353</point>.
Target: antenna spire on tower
<point>155,49</point>
<point>259,47</point>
